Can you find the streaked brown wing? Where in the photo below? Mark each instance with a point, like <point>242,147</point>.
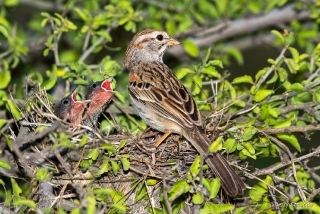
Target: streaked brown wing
<point>159,89</point>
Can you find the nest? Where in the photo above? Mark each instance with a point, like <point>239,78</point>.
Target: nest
<point>68,164</point>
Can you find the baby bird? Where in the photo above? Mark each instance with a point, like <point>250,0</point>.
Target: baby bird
<point>100,94</point>
<point>70,109</point>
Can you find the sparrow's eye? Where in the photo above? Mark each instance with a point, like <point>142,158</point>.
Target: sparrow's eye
<point>94,85</point>
<point>160,37</point>
<point>65,102</point>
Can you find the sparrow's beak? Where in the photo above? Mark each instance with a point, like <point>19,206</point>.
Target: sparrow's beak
<point>173,42</point>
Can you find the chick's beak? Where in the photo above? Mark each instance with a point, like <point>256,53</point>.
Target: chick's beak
<point>173,42</point>
<point>106,85</point>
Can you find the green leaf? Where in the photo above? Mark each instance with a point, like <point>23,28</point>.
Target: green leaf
<point>211,71</point>
<point>305,205</point>
<point>230,145</point>
<point>258,190</point>
<point>198,84</point>
<point>236,54</point>
<point>46,52</point>
<point>230,88</point>
<point>81,82</point>
<point>279,35</point>
<point>109,147</point>
<point>274,78</point>
<point>264,111</point>
<point>293,67</point>
<point>274,112</point>
<point>262,94</point>
<point>82,15</point>
<point>151,182</point>
<point>45,14</point>
<point>261,72</point>
<point>243,79</point>
<point>122,144</point>
<point>91,204</point>
<point>4,164</point>
<point>271,61</point>
<point>290,38</point>
<point>170,27</point>
<point>285,123</point>
<point>15,187</point>
<point>296,87</point>
<point>83,140</point>
<point>215,208</point>
<point>197,198</point>
<point>93,154</point>
<point>190,48</point>
<point>179,188</point>
<point>4,32</point>
<point>70,25</point>
<point>311,184</point>
<point>130,26</point>
<point>125,163</point>
<point>104,167</point>
<point>244,153</point>
<point>120,207</point>
<point>295,54</point>
<point>216,145</point>
<point>120,97</point>
<point>13,109</point>
<point>42,174</point>
<point>115,167</point>
<point>49,84</point>
<point>11,3</point>
<point>195,167</point>
<point>249,133</point>
<point>105,35</point>
<point>141,192</point>
<point>291,139</point>
<point>240,210</point>
<point>76,211</point>
<point>249,147</point>
<point>303,56</point>
<point>283,74</point>
<point>213,187</point>
<point>253,89</point>
<point>26,202</point>
<point>214,63</point>
<point>183,72</point>
<point>5,78</point>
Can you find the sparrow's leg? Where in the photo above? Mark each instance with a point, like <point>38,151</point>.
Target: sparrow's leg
<point>162,138</point>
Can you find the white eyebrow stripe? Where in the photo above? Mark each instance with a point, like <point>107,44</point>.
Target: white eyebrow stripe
<point>150,35</point>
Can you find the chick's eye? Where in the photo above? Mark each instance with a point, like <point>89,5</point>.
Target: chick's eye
<point>94,85</point>
<point>65,102</point>
<point>160,37</point>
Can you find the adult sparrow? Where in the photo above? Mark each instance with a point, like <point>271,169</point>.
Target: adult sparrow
<point>166,105</point>
<point>100,94</point>
<point>70,109</point>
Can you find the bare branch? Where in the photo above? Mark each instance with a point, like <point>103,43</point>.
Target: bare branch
<point>273,168</point>
<point>244,26</point>
<point>290,129</point>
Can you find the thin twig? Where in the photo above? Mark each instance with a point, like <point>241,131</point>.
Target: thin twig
<point>127,115</point>
<point>263,78</point>
<point>302,195</point>
<point>273,168</point>
<point>99,41</point>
